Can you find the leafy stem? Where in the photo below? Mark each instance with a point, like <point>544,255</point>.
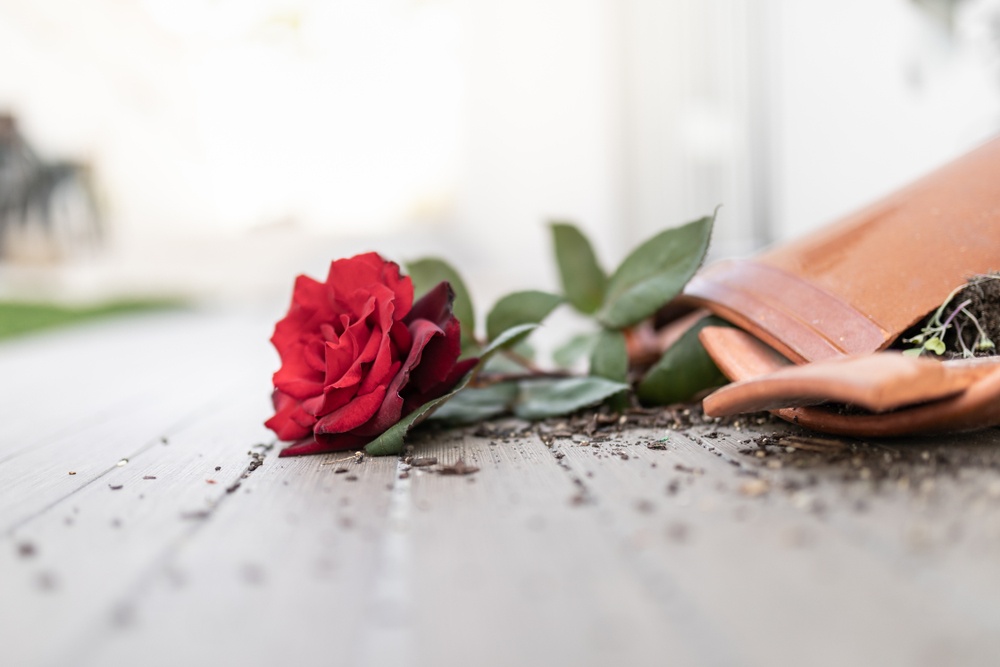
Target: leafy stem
<point>490,379</point>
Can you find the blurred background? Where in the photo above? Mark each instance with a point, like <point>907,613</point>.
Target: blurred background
<point>215,148</point>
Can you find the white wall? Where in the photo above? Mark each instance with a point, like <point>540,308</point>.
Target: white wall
<point>542,134</point>
<point>461,126</point>
<point>870,95</point>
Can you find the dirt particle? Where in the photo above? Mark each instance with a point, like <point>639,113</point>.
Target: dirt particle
<point>149,476</point>
<point>678,531</point>
<point>116,487</point>
<point>423,461</point>
<point>256,461</point>
<point>46,581</point>
<point>26,550</point>
<point>755,488</point>
<point>340,471</point>
<point>72,472</point>
<point>459,467</point>
<point>351,478</point>
<point>644,506</point>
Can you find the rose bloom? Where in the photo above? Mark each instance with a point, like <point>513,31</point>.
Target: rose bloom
<point>357,355</point>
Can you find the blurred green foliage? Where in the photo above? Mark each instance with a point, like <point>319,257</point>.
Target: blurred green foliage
<point>18,318</point>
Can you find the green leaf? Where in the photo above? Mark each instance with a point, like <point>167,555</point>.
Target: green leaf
<point>391,442</point>
<point>583,279</point>
<point>549,398</point>
<point>426,273</point>
<point>683,370</point>
<point>655,273</point>
<point>478,403</point>
<point>520,308</point>
<point>574,349</point>
<point>609,358</point>
<point>936,345</point>
<point>508,338</point>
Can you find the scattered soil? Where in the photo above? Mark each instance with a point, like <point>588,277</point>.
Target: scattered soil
<point>983,295</point>
<point>256,461</point>
<point>980,299</point>
<point>422,461</point>
<point>910,466</point>
<point>459,467</point>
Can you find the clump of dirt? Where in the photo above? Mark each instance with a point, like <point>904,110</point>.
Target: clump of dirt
<point>978,319</point>
<point>966,325</point>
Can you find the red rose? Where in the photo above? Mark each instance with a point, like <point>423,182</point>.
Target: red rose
<point>357,355</point>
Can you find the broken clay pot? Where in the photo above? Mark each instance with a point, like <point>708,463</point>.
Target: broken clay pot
<point>850,290</point>
<point>919,395</point>
<point>853,287</point>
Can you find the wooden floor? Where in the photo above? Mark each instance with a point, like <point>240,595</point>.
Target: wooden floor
<point>146,520</point>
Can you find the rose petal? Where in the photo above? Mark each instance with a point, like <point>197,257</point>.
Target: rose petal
<point>391,409</point>
<point>309,308</point>
<point>321,444</point>
<point>434,306</point>
<point>352,415</point>
<point>340,357</point>
<point>438,357</point>
<point>416,399</point>
<point>361,272</point>
<point>290,422</point>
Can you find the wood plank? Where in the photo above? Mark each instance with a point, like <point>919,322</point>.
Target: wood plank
<point>426,569</point>
<point>187,366</point>
<point>71,543</point>
<point>588,550</point>
<point>282,574</point>
<point>758,554</point>
<point>78,558</point>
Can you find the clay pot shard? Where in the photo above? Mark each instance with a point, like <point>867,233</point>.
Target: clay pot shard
<point>833,300</point>
<point>907,395</point>
<point>878,383</point>
<point>855,286</point>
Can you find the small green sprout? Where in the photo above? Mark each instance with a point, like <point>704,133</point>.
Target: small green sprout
<point>931,336</point>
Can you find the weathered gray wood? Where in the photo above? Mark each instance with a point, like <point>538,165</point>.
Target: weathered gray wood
<point>589,550</point>
<point>758,561</point>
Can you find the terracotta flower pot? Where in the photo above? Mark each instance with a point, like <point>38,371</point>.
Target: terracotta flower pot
<point>851,289</point>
